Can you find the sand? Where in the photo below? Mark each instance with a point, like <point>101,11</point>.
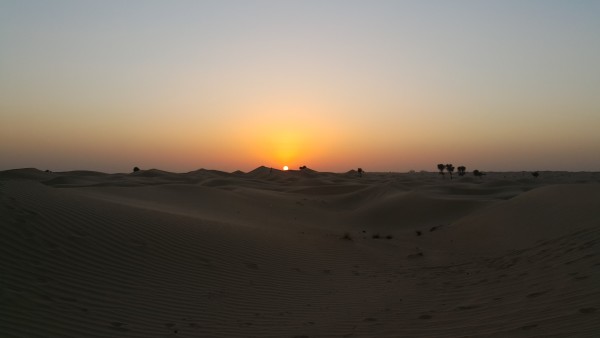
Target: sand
<point>298,254</point>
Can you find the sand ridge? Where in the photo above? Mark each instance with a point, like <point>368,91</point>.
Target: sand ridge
<point>298,254</point>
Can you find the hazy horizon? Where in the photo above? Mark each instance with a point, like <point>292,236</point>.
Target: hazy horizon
<point>334,85</point>
<point>469,171</point>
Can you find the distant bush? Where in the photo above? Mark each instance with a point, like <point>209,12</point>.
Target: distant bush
<point>441,168</point>
<point>535,174</point>
<point>449,169</point>
<point>347,236</point>
<point>376,236</point>
<point>136,169</point>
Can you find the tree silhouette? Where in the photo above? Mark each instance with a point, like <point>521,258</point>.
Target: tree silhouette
<point>136,169</point>
<point>450,169</point>
<point>360,172</point>
<point>303,167</point>
<point>461,170</point>
<point>441,168</point>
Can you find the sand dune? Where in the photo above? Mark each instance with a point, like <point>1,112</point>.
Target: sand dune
<point>298,254</point>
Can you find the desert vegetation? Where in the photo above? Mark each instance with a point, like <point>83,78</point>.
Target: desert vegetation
<point>441,168</point>
<point>450,169</point>
<point>347,236</point>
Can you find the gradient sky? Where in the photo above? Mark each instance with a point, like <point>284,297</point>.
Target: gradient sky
<point>334,85</point>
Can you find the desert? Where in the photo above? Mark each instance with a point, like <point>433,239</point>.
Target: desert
<point>299,169</point>
<point>299,253</point>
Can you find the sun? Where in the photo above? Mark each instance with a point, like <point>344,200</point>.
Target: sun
<point>285,168</point>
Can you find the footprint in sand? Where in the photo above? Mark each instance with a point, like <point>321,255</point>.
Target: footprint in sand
<point>587,310</point>
<point>435,228</point>
<point>537,294</point>
<point>467,307</point>
<point>417,255</point>
<point>581,277</point>
<point>171,326</point>
<point>251,265</point>
<point>118,326</point>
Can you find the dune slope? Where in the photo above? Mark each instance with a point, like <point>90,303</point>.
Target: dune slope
<point>272,254</point>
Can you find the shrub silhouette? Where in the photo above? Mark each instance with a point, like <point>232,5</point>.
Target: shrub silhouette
<point>478,173</point>
<point>461,170</point>
<point>303,167</point>
<point>360,172</point>
<point>136,169</point>
<point>450,169</point>
<point>441,168</point>
<point>535,174</point>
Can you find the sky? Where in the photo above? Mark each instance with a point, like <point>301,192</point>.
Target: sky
<point>333,85</point>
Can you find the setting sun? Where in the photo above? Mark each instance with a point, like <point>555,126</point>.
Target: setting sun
<point>144,141</point>
<point>331,94</point>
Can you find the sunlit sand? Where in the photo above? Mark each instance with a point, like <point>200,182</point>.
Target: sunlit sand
<point>299,253</point>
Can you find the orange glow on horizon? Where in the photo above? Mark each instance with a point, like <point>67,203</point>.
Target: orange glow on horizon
<point>286,133</point>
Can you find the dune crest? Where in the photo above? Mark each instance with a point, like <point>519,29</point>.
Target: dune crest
<point>537,215</point>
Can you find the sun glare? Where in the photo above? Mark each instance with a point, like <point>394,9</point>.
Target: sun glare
<point>285,168</point>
